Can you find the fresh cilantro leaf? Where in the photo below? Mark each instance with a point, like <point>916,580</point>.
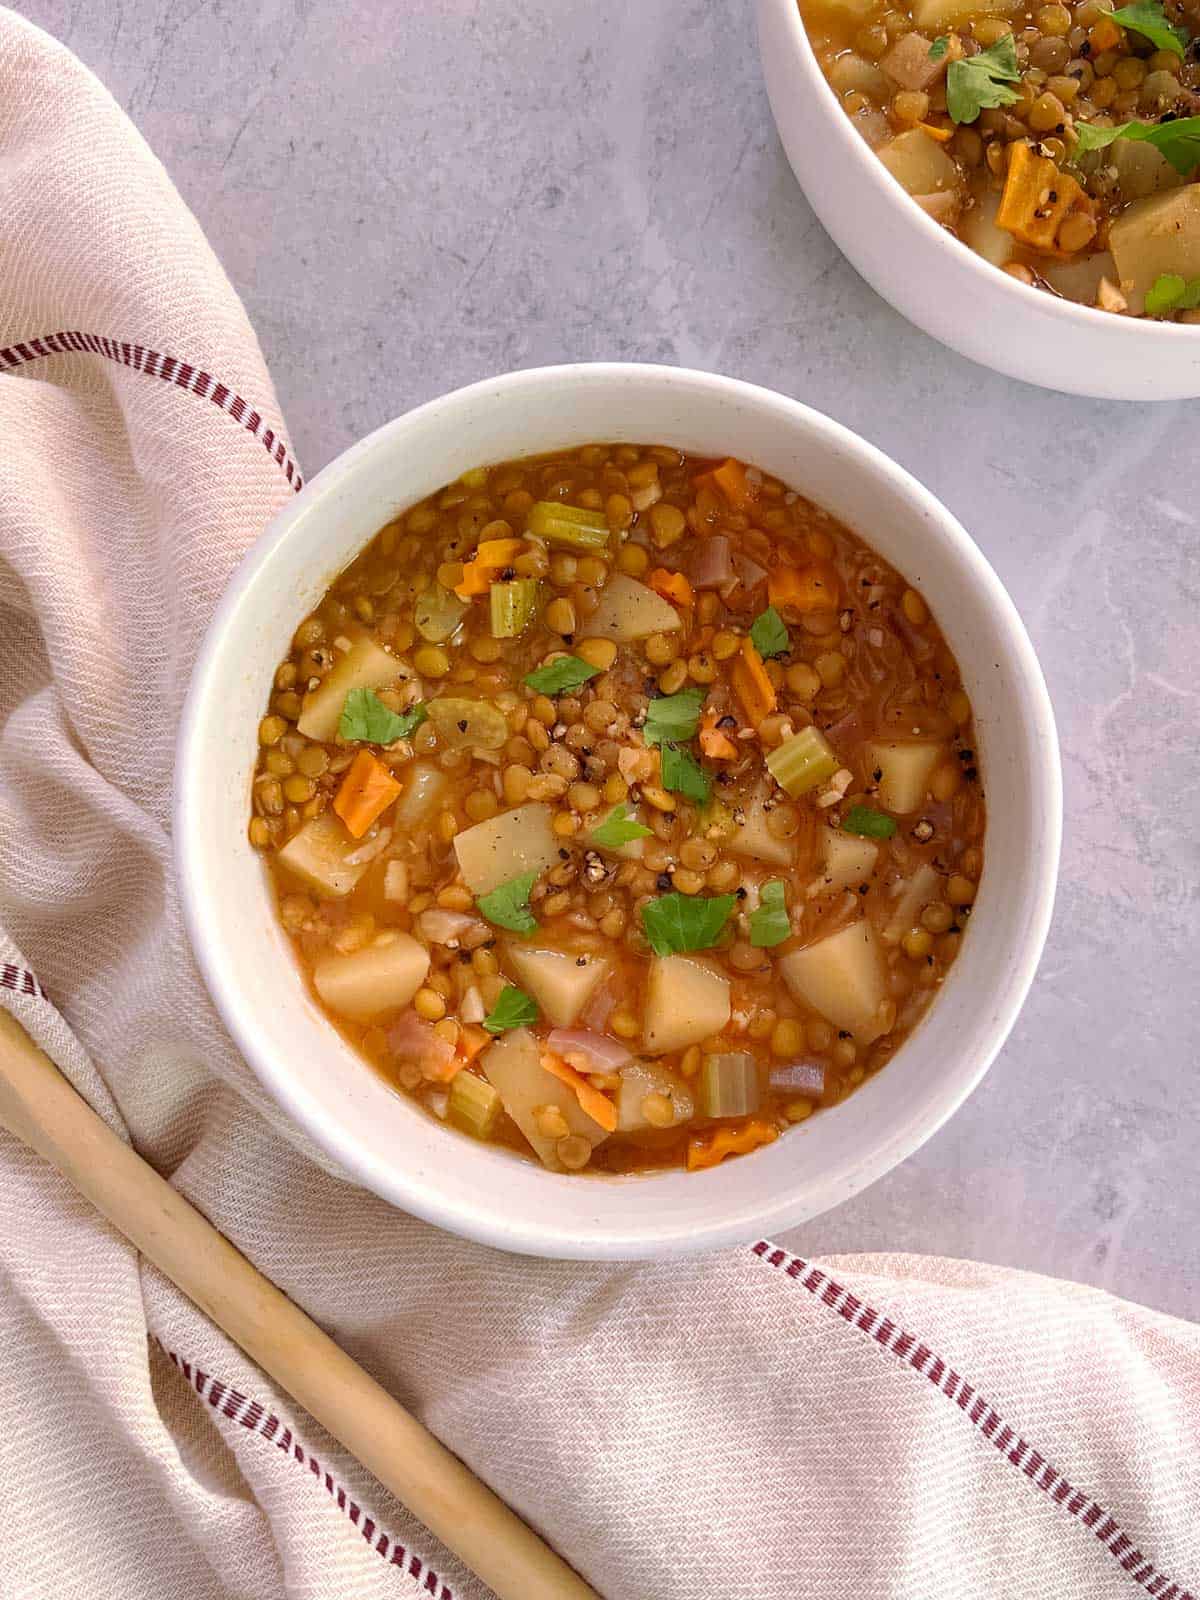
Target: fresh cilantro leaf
<point>673,717</point>
<point>513,1009</point>
<point>1178,141</point>
<point>364,716</point>
<point>1148,18</point>
<point>982,81</point>
<point>618,828</point>
<point>568,672</point>
<point>938,48</point>
<point>870,824</point>
<point>769,635</point>
<point>683,774</point>
<point>770,924</point>
<point>677,922</point>
<point>508,906</point>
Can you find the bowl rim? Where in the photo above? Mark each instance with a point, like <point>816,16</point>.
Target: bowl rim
<point>545,1235</point>
<point>888,192</point>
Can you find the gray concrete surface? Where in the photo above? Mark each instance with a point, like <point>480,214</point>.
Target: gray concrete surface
<point>411,196</point>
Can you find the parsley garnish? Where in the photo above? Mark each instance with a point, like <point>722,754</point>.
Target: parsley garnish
<point>508,906</point>
<point>618,828</point>
<point>677,922</point>
<point>1148,18</point>
<point>1178,141</point>
<point>513,1009</point>
<point>982,81</point>
<point>938,48</point>
<point>770,924</point>
<point>684,775</point>
<point>673,717</point>
<point>365,717</point>
<point>870,824</point>
<point>1170,292</point>
<point>568,672</point>
<point>769,635</point>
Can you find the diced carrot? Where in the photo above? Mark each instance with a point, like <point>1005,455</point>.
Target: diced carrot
<point>730,477</point>
<point>711,1150</point>
<point>1037,200</point>
<point>673,586</point>
<point>366,792</point>
<point>1105,35</point>
<point>492,556</point>
<point>471,1041</point>
<point>717,746</point>
<point>446,1070</point>
<point>803,589</point>
<point>752,685</point>
<point>596,1105</point>
<point>942,135</point>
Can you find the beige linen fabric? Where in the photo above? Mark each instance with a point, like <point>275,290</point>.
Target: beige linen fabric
<point>734,1426</point>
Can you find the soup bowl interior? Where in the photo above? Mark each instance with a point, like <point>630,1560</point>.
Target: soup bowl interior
<point>934,279</point>
<point>384,1140</point>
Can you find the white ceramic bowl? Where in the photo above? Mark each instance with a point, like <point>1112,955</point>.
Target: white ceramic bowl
<point>935,280</point>
<point>384,1140</point>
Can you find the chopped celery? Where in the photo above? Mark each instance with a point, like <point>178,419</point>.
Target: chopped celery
<point>438,613</point>
<point>802,762</point>
<point>571,526</point>
<point>729,1085</point>
<point>513,605</point>
<point>474,1104</point>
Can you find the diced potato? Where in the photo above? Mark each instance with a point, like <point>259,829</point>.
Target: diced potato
<point>909,63</point>
<point>1080,280</point>
<point>842,977</point>
<point>918,891</point>
<point>424,788</point>
<point>934,17</point>
<point>846,861</point>
<point>918,163</point>
<point>506,846</point>
<point>630,610</point>
<point>854,73</point>
<point>513,1064</point>
<point>641,1078</point>
<point>317,855</point>
<point>364,666</point>
<point>368,982</point>
<point>751,837</point>
<point>943,206</point>
<point>561,983</point>
<point>1141,169</point>
<point>1157,235</point>
<point>979,230</point>
<point>686,1001</point>
<point>906,770</point>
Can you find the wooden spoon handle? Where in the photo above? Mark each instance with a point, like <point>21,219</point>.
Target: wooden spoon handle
<point>42,1109</point>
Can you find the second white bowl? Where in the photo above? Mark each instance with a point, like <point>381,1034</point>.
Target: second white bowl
<point>931,277</point>
<point>383,1139</point>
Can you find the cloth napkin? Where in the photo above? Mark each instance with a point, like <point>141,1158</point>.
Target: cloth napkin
<point>746,1424</point>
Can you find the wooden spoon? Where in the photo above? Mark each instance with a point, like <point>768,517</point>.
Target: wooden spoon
<point>42,1109</point>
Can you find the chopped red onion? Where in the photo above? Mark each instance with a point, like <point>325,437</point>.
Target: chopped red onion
<point>799,1077</point>
<point>710,564</point>
<point>604,1054</point>
<point>411,1039</point>
<point>748,571</point>
<point>437,926</point>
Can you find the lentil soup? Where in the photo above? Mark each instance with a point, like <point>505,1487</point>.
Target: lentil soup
<point>622,807</point>
<point>1060,142</point>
